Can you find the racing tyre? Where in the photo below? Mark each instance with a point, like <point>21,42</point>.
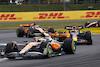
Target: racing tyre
<point>99,23</point>
<point>46,49</point>
<point>30,31</point>
<point>11,48</point>
<point>51,30</point>
<point>20,32</point>
<point>28,34</point>
<point>69,46</point>
<point>88,38</point>
<point>86,24</point>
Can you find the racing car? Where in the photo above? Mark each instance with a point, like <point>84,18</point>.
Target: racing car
<point>78,36</point>
<point>93,24</point>
<point>43,47</point>
<point>60,36</point>
<point>31,31</point>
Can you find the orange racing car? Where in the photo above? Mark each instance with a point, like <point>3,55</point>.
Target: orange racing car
<point>43,47</point>
<point>31,31</point>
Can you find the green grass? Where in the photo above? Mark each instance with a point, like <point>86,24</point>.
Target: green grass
<point>42,24</point>
<point>8,26</point>
<point>83,6</point>
<point>30,7</point>
<point>56,25</point>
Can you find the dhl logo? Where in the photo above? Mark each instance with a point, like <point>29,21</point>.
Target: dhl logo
<point>8,17</point>
<point>91,15</point>
<point>50,16</point>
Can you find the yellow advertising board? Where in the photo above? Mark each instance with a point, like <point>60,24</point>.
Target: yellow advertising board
<point>49,15</point>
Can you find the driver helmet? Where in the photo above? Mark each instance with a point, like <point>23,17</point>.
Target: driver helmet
<point>74,29</point>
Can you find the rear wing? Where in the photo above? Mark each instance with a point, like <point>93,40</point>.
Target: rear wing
<point>27,25</point>
<point>71,27</point>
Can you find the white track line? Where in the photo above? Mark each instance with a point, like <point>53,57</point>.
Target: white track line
<point>4,44</point>
<point>3,59</point>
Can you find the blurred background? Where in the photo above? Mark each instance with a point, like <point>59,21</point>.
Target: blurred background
<point>48,5</point>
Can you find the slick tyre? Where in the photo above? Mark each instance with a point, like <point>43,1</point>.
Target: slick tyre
<point>11,48</point>
<point>51,30</point>
<point>20,32</point>
<point>88,37</point>
<point>30,31</point>
<point>69,46</point>
<point>28,34</point>
<point>86,24</point>
<point>99,23</point>
<point>46,49</point>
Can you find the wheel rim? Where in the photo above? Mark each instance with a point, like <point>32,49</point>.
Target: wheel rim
<point>49,50</point>
<point>73,46</point>
<point>98,23</point>
<point>28,34</point>
<point>17,33</point>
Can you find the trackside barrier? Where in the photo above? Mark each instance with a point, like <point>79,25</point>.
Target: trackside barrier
<point>50,15</point>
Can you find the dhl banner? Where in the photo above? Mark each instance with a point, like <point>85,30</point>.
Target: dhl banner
<point>50,15</point>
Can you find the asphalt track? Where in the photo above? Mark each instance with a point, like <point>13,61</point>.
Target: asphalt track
<point>85,56</point>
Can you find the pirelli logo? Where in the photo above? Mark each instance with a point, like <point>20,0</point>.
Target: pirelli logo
<point>9,17</point>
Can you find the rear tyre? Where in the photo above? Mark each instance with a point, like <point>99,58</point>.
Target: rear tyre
<point>20,32</point>
<point>88,37</point>
<point>86,24</point>
<point>69,46</point>
<point>51,30</point>
<point>11,48</point>
<point>99,23</point>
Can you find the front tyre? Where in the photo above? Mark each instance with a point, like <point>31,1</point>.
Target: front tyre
<point>69,46</point>
<point>11,47</point>
<point>28,34</point>
<point>46,49</point>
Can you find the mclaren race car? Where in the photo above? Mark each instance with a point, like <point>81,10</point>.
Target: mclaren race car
<point>33,30</point>
<point>40,47</point>
<point>60,36</point>
<point>93,24</point>
<point>30,32</point>
<point>79,37</point>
